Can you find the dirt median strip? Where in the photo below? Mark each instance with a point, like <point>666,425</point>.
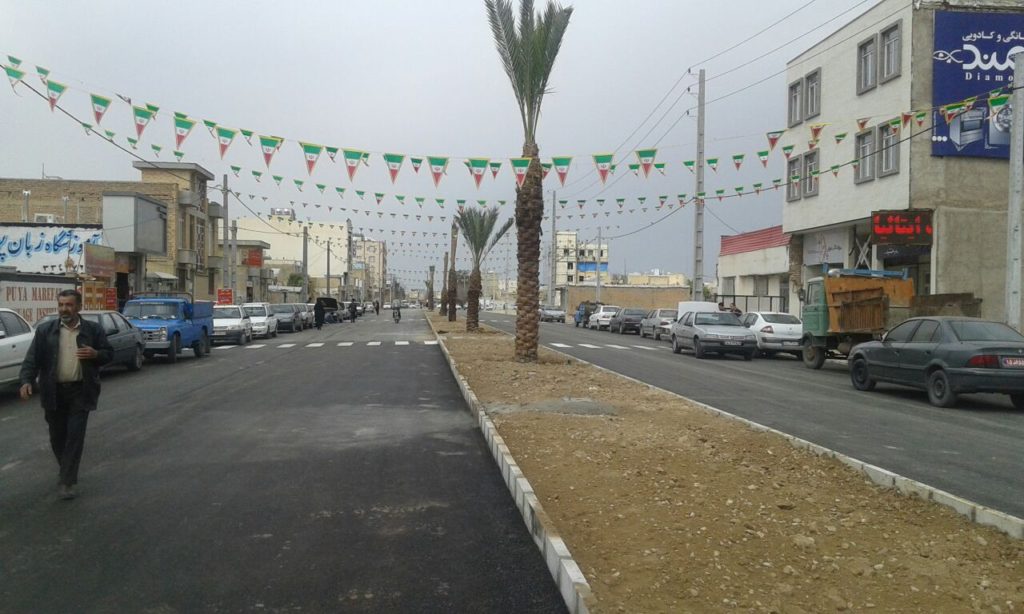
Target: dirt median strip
<point>669,508</point>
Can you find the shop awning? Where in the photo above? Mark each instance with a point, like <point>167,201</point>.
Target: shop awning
<point>159,275</point>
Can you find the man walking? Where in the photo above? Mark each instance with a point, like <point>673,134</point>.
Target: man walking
<point>66,355</point>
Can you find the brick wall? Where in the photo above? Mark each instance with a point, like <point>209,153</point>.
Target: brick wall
<point>642,297</point>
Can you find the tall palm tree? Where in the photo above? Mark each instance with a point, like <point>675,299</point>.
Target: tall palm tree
<point>477,226</point>
<point>528,54</point>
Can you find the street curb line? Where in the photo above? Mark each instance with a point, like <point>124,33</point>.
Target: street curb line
<point>976,512</point>
<point>568,576</point>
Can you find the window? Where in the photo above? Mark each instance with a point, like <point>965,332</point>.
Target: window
<point>865,149</point>
<point>796,100</point>
<point>926,332</point>
<point>867,65</point>
<point>793,168</point>
<point>728,285</point>
<point>810,168</point>
<point>569,265</point>
<point>891,52</point>
<point>761,285</point>
<point>12,324</point>
<point>902,333</point>
<point>812,94</point>
<point>569,278</point>
<point>888,150</point>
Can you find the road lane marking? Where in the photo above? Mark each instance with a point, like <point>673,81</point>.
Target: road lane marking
<point>286,345</point>
<point>560,345</point>
<point>224,347</point>
<point>617,347</point>
<point>430,342</point>
<point>256,346</point>
<point>646,347</point>
<point>373,343</point>
<point>314,345</point>
<point>587,345</point>
<point>344,344</point>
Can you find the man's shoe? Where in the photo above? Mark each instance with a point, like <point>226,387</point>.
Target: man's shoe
<point>66,492</point>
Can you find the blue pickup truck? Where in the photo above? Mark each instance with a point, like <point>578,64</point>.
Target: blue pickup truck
<point>171,322</point>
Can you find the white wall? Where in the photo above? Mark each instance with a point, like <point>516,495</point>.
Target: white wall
<point>771,261</point>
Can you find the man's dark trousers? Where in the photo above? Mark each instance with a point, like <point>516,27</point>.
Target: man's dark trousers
<point>67,424</point>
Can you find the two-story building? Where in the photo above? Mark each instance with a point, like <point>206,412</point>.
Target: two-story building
<point>891,115</point>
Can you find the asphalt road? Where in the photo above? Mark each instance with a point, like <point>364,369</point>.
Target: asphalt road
<point>973,451</point>
<point>347,476</point>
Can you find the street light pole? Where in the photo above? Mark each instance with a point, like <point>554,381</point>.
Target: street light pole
<point>1015,203</point>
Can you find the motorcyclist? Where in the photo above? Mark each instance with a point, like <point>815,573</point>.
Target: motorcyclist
<point>396,311</point>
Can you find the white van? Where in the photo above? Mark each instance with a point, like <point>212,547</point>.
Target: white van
<point>688,306</point>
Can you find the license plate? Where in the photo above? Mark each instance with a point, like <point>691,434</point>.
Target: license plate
<point>1013,361</point>
<point>218,333</point>
<point>733,343</point>
<point>790,343</point>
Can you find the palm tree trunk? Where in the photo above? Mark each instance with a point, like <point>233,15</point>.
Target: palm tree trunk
<point>473,307</point>
<point>529,214</point>
<point>453,281</point>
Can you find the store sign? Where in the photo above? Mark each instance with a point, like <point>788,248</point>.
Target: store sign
<point>829,247</point>
<point>973,56</point>
<point>911,227</point>
<point>110,294</point>
<point>253,257</point>
<point>225,296</point>
<point>100,261</point>
<point>33,300</point>
<point>44,249</point>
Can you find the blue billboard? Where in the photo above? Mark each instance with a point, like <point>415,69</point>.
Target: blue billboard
<point>590,267</point>
<point>973,57</point>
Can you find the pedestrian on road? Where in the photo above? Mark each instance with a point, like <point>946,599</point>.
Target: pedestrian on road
<point>318,314</point>
<point>376,307</point>
<point>352,309</point>
<point>66,355</point>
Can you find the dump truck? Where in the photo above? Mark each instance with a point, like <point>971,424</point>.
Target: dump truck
<point>851,306</point>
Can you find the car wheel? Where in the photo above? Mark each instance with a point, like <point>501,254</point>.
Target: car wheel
<point>1017,400</point>
<point>200,346</point>
<point>622,330</point>
<point>642,333</point>
<point>859,375</point>
<point>172,352</point>
<point>274,334</point>
<point>136,362</point>
<point>748,356</point>
<point>657,336</point>
<point>698,349</point>
<point>813,357</point>
<point>675,345</point>
<point>939,392</point>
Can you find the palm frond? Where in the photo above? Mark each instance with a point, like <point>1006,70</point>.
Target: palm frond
<point>476,226</point>
<point>498,235</point>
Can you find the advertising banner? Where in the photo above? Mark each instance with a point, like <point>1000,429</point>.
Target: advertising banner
<point>225,296</point>
<point>44,249</point>
<point>909,227</point>
<point>972,58</point>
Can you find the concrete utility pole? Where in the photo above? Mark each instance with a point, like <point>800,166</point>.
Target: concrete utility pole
<point>597,266</point>
<point>444,286</point>
<point>554,244</point>
<point>328,266</point>
<point>305,262</point>
<point>225,277</point>
<point>453,282</point>
<point>233,262</point>
<point>1015,202</point>
<point>65,199</point>
<point>697,289</point>
<point>430,297</point>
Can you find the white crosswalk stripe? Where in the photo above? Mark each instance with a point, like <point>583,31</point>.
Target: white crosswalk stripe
<point>560,345</point>
<point>224,347</point>
<point>434,342</point>
<point>344,344</point>
<point>646,347</point>
<point>587,345</point>
<point>314,345</point>
<point>373,343</point>
<point>401,343</point>
<point>617,347</point>
<point>256,346</point>
<point>286,345</point>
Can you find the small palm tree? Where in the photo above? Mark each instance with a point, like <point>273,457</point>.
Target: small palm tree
<point>477,226</point>
<point>528,54</point>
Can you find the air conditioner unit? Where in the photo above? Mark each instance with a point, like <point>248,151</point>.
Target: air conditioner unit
<point>46,218</point>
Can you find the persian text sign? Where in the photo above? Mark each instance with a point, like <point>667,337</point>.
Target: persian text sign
<point>43,249</point>
<point>972,57</point>
<point>911,227</point>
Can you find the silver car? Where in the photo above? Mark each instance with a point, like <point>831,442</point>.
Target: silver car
<point>657,322</point>
<point>288,316</point>
<point>775,332</point>
<point>719,332</point>
<point>231,323</point>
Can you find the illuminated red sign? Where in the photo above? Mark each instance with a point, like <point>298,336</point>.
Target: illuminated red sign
<point>912,227</point>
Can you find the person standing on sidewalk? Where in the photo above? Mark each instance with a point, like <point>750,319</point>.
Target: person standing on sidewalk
<point>66,355</point>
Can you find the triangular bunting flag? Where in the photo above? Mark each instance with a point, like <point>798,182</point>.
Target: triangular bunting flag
<point>311,152</point>
<point>477,168</point>
<point>44,74</point>
<point>298,183</point>
<point>156,149</point>
<point>394,163</point>
<point>269,146</point>
<point>235,170</point>
<point>332,152</point>
<point>340,191</point>
<point>415,163</point>
<point>100,104</point>
<point>15,62</point>
<point>54,91</point>
<point>646,158</point>
<point>919,117</point>
<point>561,164</point>
<point>712,164</point>
<point>660,167</point>
<point>773,138</point>
<point>906,117</point>
<point>278,179</point>
<point>816,131</point>
<point>839,137</point>
<point>519,168</point>
<point>603,163</point>
<point>257,175</point>
<point>862,123</point>
<point>379,196</point>
<point>787,150</point>
<point>737,160</point>
<point>438,166</point>
<point>690,165</point>
<point>763,157</point>
<point>225,136</point>
<point>211,126</point>
<point>178,155</point>
<point>352,159</point>
<point>545,169</point>
<point>14,75</point>
<point>247,134</point>
<point>133,142</point>
<point>635,167</point>
<point>321,187</point>
<point>495,167</point>
<point>182,128</point>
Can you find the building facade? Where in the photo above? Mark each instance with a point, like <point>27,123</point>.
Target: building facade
<point>577,261</point>
<point>877,124</point>
<point>370,265</point>
<point>753,270</point>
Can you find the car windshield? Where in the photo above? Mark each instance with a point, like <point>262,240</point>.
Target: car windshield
<point>226,312</point>
<point>668,313</point>
<point>780,318</point>
<point>256,310</point>
<point>155,311</point>
<point>979,330</point>
<point>635,312</point>
<point>716,318</point>
<point>281,308</point>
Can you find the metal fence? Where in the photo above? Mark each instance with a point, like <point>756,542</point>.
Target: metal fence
<point>748,302</point>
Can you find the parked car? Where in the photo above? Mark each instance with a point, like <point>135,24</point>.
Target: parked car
<point>719,332</point>
<point>15,337</point>
<point>171,322</point>
<point>386,306</point>
<point>657,322</point>
<point>602,316</point>
<point>305,318</point>
<point>946,356</point>
<point>626,320</point>
<point>311,313</point>
<point>231,323</point>
<point>549,313</point>
<point>264,320</point>
<point>128,341</point>
<point>775,332</point>
<point>288,316</point>
<point>367,307</point>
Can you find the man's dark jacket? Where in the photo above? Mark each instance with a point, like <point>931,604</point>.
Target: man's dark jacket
<point>41,360</point>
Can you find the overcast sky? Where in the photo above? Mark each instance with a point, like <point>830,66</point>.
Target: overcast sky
<point>423,78</point>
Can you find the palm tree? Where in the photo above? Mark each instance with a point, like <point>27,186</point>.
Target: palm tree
<point>477,226</point>
<point>528,54</point>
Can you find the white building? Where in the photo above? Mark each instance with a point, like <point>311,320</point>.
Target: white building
<point>870,93</point>
<point>578,262</point>
<point>285,237</point>
<point>753,270</point>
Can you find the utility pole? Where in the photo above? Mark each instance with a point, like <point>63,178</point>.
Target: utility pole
<point>453,282</point>
<point>305,262</point>
<point>328,266</point>
<point>1015,203</point>
<point>597,265</point>
<point>233,263</point>
<point>444,286</point>
<point>65,199</point>
<point>225,277</point>
<point>554,245</point>
<point>697,287</point>
<point>430,286</point>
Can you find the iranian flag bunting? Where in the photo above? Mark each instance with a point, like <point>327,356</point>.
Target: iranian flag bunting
<point>646,158</point>
<point>519,168</point>
<point>311,152</point>
<point>352,159</point>
<point>438,166</point>
<point>641,199</point>
<point>225,136</point>
<point>415,163</point>
<point>839,137</point>
<point>773,138</point>
<point>720,193</point>
<point>581,202</point>
<point>906,117</point>
<point>713,164</point>
<point>603,162</point>
<point>54,91</point>
<point>15,62</point>
<point>14,75</point>
<point>816,131</point>
<point>278,179</point>
<point>620,202</point>
<point>996,104</point>
<point>44,74</point>
<point>661,200</point>
<point>660,167</point>
<point>950,111</point>
<point>763,157</point>
<point>600,202</point>
<point>87,128</point>
<point>100,104</point>
<point>257,175</point>
<point>561,164</point>
<point>362,195</point>
<point>895,124</point>
<point>690,164</point>
<point>298,183</point>
<point>182,128</point>
<point>477,168</point>
<point>682,199</point>
<point>321,187</point>
<point>133,142</point>
<point>142,118</point>
<point>482,203</point>
<point>737,160</point>
<point>545,169</point>
<point>440,202</point>
<point>156,149</point>
<point>109,134</point>
<point>394,163</point>
<point>400,198</point>
<point>379,196</point>
<point>835,170</point>
<point>178,155</point>
<point>495,168</point>
<point>862,123</point>
<point>811,145</point>
<point>340,191</point>
<point>419,201</point>
<point>247,134</point>
<point>635,167</point>
<point>152,107</point>
<point>211,126</point>
<point>787,150</point>
<point>235,170</point>
<point>919,117</point>
<point>757,188</point>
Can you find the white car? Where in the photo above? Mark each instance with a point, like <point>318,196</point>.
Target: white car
<point>231,323</point>
<point>264,322</point>
<point>775,332</point>
<point>602,317</point>
<point>15,337</point>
